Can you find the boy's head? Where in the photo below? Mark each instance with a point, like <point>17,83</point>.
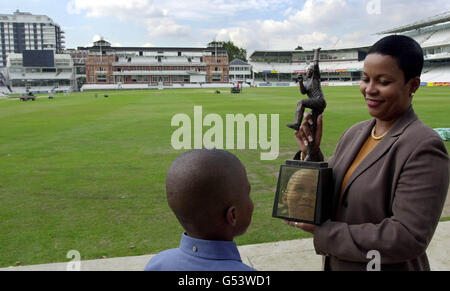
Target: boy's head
<point>209,193</point>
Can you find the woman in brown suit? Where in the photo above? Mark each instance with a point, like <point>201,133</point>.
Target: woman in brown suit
<point>390,173</point>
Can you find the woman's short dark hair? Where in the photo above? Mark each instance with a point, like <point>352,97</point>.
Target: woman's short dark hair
<point>405,50</point>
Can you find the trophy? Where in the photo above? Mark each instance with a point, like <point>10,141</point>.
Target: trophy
<point>305,188</point>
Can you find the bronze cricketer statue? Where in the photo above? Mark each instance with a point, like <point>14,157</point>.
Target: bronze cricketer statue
<point>315,101</point>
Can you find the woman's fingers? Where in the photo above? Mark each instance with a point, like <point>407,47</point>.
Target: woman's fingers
<point>303,226</point>
<point>304,136</point>
<point>301,141</point>
<point>319,129</point>
<point>304,128</point>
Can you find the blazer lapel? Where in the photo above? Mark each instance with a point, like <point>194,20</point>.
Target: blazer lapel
<point>343,163</point>
<point>387,142</point>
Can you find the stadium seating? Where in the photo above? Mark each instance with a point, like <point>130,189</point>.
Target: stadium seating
<point>422,37</point>
<point>437,38</point>
<point>39,76</point>
<point>436,74</point>
<point>293,67</point>
<point>37,90</point>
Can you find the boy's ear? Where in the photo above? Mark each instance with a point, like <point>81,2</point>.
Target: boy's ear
<point>231,216</point>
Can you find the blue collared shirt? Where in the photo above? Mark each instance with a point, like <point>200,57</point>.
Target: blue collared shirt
<point>199,255</point>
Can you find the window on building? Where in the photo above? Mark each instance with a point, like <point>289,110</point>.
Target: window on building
<point>33,70</point>
<point>16,70</point>
<point>177,78</point>
<point>101,79</point>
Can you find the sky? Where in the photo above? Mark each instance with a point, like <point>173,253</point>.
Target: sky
<point>250,24</point>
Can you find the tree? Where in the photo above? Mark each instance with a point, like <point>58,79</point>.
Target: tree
<point>299,48</point>
<point>234,52</point>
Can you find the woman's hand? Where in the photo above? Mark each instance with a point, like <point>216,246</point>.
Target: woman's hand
<point>303,226</point>
<point>304,137</point>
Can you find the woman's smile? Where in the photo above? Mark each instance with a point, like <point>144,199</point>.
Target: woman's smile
<point>373,103</point>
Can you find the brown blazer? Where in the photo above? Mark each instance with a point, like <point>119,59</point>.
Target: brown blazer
<point>392,202</point>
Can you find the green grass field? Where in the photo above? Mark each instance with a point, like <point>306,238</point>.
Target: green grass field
<point>87,174</point>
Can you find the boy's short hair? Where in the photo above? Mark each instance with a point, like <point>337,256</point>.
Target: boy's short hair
<point>200,185</point>
<point>405,50</point>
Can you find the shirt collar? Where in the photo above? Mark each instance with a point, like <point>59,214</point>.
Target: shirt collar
<point>214,250</point>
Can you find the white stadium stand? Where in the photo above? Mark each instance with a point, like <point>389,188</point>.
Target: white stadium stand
<point>437,38</point>
<point>293,67</point>
<point>41,76</point>
<point>38,89</point>
<point>433,34</point>
<point>58,76</point>
<point>436,74</point>
<point>346,65</point>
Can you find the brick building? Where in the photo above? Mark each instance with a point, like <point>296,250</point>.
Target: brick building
<point>143,65</point>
